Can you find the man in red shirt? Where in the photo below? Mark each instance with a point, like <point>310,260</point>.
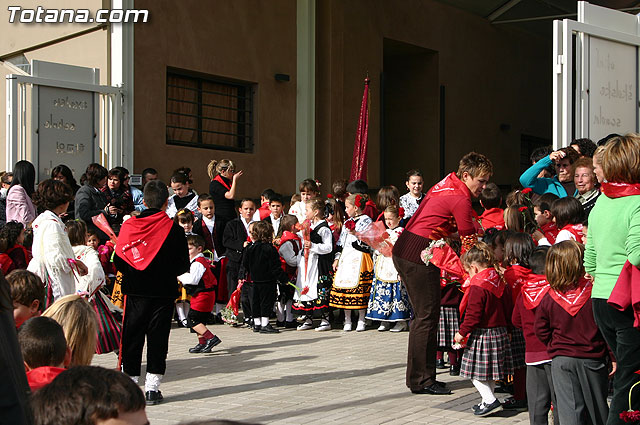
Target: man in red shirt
<point>445,210</point>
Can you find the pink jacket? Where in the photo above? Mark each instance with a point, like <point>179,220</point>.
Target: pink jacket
<point>20,208</point>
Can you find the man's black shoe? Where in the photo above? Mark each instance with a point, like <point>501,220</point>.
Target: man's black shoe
<point>433,389</point>
<point>211,342</point>
<point>153,397</point>
<point>197,349</point>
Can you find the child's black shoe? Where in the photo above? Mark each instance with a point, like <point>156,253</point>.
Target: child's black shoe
<point>440,364</point>
<point>454,370</point>
<point>268,330</point>
<point>291,325</point>
<point>257,328</point>
<point>211,342</point>
<point>197,349</point>
<point>280,324</point>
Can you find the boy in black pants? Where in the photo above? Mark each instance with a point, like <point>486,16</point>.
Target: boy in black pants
<point>262,261</point>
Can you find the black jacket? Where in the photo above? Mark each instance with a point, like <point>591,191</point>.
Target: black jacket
<point>262,261</point>
<point>89,203</point>
<point>160,278</point>
<point>235,235</point>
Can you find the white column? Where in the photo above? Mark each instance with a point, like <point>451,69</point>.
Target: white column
<point>305,86</point>
<point>121,153</point>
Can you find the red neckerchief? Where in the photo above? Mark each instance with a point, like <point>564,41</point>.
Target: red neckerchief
<point>220,180</point>
<point>516,276</point>
<point>550,231</point>
<point>208,276</point>
<point>41,376</point>
<point>288,236</point>
<point>494,218</point>
<point>619,190</point>
<point>575,230</point>
<point>573,299</point>
<point>6,263</point>
<point>533,290</point>
<point>488,279</point>
<point>140,239</point>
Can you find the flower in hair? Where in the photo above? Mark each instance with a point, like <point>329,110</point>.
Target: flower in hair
<point>523,209</point>
<point>330,196</point>
<point>318,183</point>
<point>527,190</point>
<point>401,212</point>
<point>359,201</point>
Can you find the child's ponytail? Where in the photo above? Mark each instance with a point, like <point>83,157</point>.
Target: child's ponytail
<point>480,253</point>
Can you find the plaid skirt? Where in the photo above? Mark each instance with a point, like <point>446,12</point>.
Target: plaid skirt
<point>109,328</point>
<point>487,356</point>
<point>517,349</point>
<point>448,325</point>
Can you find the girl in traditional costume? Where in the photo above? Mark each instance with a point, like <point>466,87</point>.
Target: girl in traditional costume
<point>353,265</point>
<point>314,268</point>
<point>389,302</point>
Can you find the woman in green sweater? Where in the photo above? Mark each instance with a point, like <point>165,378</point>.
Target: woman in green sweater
<point>613,237</point>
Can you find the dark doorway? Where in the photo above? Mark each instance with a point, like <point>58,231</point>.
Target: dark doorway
<point>410,113</point>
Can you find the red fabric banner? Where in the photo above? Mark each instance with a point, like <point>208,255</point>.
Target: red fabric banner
<point>359,162</point>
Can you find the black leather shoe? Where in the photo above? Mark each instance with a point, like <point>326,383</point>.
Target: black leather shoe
<point>291,325</point>
<point>211,342</point>
<point>454,371</point>
<point>197,349</point>
<point>269,330</point>
<point>256,328</point>
<point>433,389</point>
<point>488,409</point>
<point>440,364</point>
<point>153,397</point>
<point>280,324</point>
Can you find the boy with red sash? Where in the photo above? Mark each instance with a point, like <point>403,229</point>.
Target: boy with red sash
<point>200,284</point>
<point>540,393</point>
<point>564,321</point>
<point>151,253</point>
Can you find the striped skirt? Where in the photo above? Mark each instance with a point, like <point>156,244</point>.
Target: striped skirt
<point>109,328</point>
<point>356,298</point>
<point>448,325</point>
<point>487,356</point>
<point>517,348</point>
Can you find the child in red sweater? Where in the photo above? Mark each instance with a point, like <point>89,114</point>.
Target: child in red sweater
<point>544,218</point>
<point>517,249</point>
<point>487,309</point>
<point>564,322</point>
<point>540,393</point>
<point>493,215</point>
<point>44,350</point>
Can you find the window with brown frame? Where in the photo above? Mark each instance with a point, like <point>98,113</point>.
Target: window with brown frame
<point>211,113</point>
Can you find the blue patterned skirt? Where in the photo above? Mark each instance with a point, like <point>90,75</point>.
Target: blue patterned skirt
<point>388,302</point>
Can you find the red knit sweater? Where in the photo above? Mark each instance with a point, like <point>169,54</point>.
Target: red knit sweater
<point>436,218</point>
<point>485,310</point>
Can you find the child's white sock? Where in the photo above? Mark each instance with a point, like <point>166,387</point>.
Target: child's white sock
<point>361,315</point>
<point>256,321</point>
<point>347,317</point>
<point>289,313</point>
<point>152,381</point>
<point>182,314</point>
<point>265,321</point>
<point>280,311</point>
<point>485,388</point>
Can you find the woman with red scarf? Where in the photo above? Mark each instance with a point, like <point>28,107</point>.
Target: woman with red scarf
<point>224,181</point>
<point>445,210</point>
<point>613,238</point>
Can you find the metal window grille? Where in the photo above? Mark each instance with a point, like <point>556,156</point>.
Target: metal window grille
<point>209,113</point>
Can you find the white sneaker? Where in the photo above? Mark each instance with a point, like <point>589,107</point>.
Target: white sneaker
<point>347,327</point>
<point>384,326</point>
<point>305,326</point>
<point>323,327</point>
<point>399,327</point>
<point>361,326</point>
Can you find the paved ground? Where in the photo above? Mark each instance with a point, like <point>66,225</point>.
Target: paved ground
<point>297,377</point>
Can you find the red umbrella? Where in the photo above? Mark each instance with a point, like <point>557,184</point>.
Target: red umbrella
<point>359,163</point>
